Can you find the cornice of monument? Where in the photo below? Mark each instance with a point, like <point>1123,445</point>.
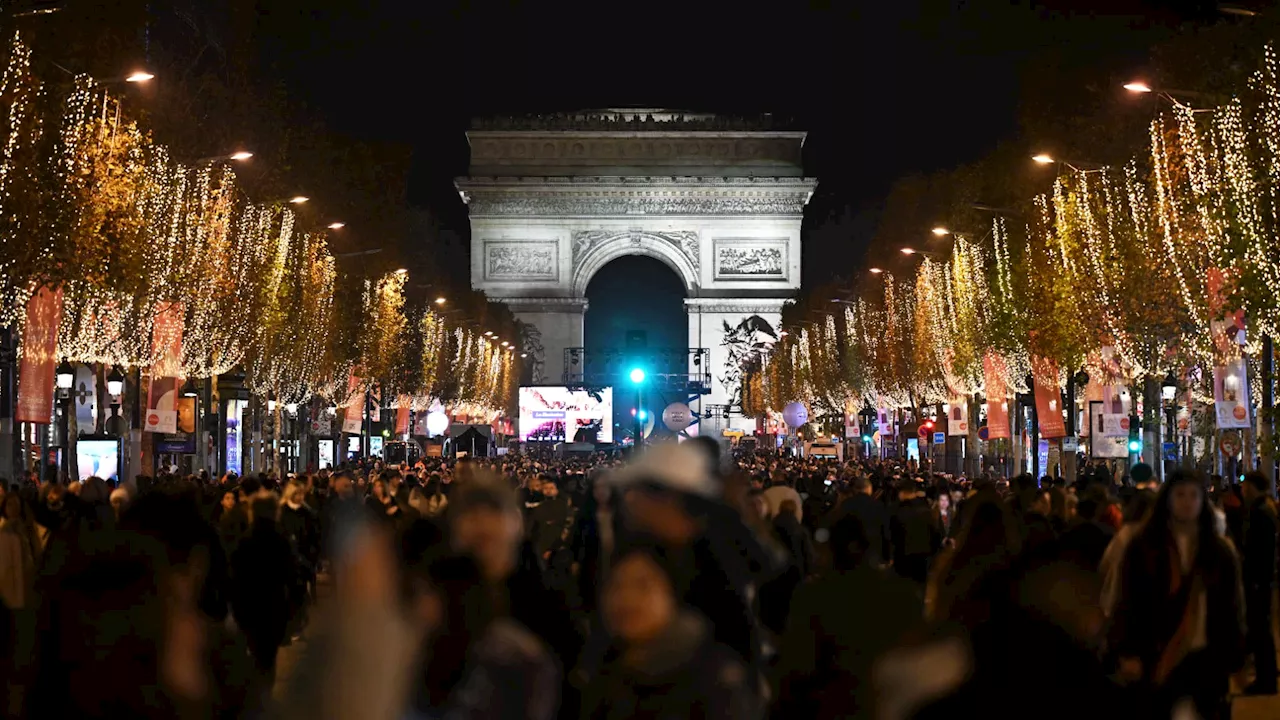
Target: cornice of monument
<point>605,182</point>
<point>632,119</point>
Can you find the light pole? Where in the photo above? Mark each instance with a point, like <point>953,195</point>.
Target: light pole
<point>1169,393</point>
<point>66,377</point>
<point>637,377</point>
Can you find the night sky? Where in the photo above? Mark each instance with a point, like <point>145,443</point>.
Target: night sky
<point>885,88</point>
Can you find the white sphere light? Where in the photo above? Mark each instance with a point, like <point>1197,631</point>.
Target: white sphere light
<point>676,417</point>
<point>437,423</point>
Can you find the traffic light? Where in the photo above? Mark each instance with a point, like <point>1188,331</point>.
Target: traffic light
<point>644,415</point>
<point>866,438</point>
<point>637,375</point>
<point>1135,435</point>
<point>928,424</point>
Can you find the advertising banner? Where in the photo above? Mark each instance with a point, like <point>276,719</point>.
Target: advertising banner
<point>402,420</point>
<point>1048,398</point>
<point>36,371</point>
<point>353,416</point>
<point>884,419</point>
<point>235,416</point>
<point>957,416</point>
<point>993,368</point>
<point>166,372</point>
<point>1231,395</point>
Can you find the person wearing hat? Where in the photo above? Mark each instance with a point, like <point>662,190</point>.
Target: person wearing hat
<point>670,493</point>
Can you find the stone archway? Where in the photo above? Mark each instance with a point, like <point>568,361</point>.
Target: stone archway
<point>593,249</point>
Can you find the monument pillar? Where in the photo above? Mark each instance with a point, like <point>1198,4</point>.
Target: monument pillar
<point>553,325</point>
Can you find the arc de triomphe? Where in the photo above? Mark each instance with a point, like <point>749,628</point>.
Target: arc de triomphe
<point>719,200</point>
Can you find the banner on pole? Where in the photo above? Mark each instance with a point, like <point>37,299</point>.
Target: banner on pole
<point>402,420</point>
<point>36,372</point>
<point>166,372</point>
<point>1048,398</point>
<point>884,420</point>
<point>353,415</point>
<point>1231,395</point>
<point>957,416</point>
<point>993,368</point>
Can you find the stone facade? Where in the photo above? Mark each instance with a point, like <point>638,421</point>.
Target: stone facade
<point>554,199</point>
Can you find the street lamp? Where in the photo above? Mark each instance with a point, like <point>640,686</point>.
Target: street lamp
<point>115,388</point>
<point>637,376</point>
<point>140,76</point>
<point>940,231</point>
<point>1137,87</point>
<point>908,251</point>
<point>336,225</point>
<point>298,199</point>
<point>65,377</point>
<point>1043,159</point>
<point>440,301</point>
<point>875,271</point>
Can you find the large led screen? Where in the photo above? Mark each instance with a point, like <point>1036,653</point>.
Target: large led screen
<point>556,413</point>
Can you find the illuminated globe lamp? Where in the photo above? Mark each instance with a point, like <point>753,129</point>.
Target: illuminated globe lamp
<point>437,423</point>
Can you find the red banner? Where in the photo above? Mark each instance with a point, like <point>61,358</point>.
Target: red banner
<point>36,372</point>
<point>1048,398</point>
<point>166,369</point>
<point>353,415</point>
<point>402,419</point>
<point>993,368</point>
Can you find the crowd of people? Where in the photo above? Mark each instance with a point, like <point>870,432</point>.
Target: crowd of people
<point>682,583</point>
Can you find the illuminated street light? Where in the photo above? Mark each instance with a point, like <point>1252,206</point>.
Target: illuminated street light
<point>875,271</point>
<point>140,77</point>
<point>907,251</point>
<point>940,231</point>
<point>402,271</point>
<point>1137,87</point>
<point>440,301</point>
<point>1043,159</point>
<point>637,375</point>
<point>240,156</point>
<point>337,225</point>
<point>298,199</point>
<point>524,355</point>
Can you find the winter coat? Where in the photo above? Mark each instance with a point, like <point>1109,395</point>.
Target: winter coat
<point>684,675</point>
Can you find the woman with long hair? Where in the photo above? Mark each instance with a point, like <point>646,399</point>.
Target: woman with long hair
<point>969,577</point>
<point>1178,621</point>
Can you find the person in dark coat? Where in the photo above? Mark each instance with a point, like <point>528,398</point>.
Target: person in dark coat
<point>828,653</point>
<point>916,533</point>
<point>1178,623</point>
<point>263,572</point>
<point>663,662</point>
<point>872,515</point>
<point>1086,537</point>
<point>1258,570</point>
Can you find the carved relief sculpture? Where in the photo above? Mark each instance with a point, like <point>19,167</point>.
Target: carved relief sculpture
<point>751,259</point>
<point>584,241</point>
<point>520,260</point>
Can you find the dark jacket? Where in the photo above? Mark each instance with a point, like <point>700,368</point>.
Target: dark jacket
<point>1147,615</point>
<point>828,652</point>
<point>1258,555</point>
<point>875,518</point>
<point>1084,543</point>
<point>549,523</point>
<point>687,675</point>
<point>917,537</point>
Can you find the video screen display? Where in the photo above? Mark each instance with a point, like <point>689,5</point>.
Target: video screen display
<point>99,458</point>
<point>558,414</point>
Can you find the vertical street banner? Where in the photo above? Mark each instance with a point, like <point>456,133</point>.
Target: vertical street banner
<point>884,419</point>
<point>1048,398</point>
<point>402,415</point>
<point>353,415</point>
<point>993,370</point>
<point>1231,395</point>
<point>166,371</point>
<point>39,357</point>
<point>84,391</point>
<point>957,415</point>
